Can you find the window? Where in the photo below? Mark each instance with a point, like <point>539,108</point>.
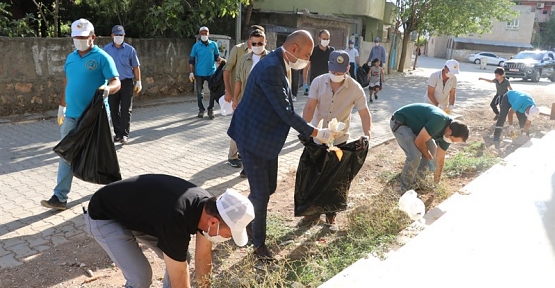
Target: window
<point>513,24</point>
<point>544,12</point>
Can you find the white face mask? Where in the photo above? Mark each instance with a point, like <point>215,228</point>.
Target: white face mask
<point>447,139</point>
<point>449,74</point>
<point>118,39</point>
<point>325,43</point>
<point>300,64</point>
<point>216,238</point>
<point>81,44</point>
<point>351,46</point>
<point>204,38</point>
<point>336,78</point>
<point>377,44</point>
<point>258,50</point>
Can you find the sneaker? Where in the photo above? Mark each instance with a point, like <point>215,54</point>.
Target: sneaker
<point>330,223</point>
<point>309,221</point>
<point>371,101</point>
<point>264,254</point>
<point>117,139</point>
<point>496,117</point>
<point>211,114</point>
<point>376,96</point>
<point>235,163</point>
<point>294,98</point>
<point>54,203</point>
<point>124,140</point>
<point>243,174</point>
<point>305,92</point>
<point>200,113</point>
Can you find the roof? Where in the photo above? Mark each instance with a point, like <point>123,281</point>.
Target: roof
<point>492,42</point>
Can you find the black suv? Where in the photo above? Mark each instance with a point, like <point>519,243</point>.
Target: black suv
<point>531,65</point>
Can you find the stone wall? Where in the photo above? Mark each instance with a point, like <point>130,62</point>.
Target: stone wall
<point>32,70</point>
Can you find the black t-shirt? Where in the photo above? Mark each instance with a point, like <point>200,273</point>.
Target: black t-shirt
<point>319,61</point>
<point>163,206</point>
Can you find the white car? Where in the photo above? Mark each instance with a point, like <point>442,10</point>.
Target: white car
<point>492,58</point>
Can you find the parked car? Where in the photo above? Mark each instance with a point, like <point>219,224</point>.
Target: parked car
<point>531,65</point>
<point>493,59</point>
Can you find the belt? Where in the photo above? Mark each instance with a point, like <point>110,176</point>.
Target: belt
<point>397,124</point>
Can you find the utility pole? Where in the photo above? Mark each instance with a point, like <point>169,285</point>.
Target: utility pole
<point>238,26</point>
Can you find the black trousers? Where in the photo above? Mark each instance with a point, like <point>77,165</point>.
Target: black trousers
<point>505,107</point>
<point>495,102</point>
<point>121,105</point>
<point>294,82</point>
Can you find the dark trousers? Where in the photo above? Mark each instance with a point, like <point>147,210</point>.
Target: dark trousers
<point>495,102</point>
<point>199,89</point>
<point>121,104</point>
<point>505,107</point>
<point>294,82</point>
<point>353,70</point>
<point>262,176</point>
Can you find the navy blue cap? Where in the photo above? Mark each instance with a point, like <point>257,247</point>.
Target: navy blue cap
<point>118,30</point>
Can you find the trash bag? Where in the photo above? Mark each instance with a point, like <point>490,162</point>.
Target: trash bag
<point>89,148</point>
<point>322,182</point>
<point>412,205</point>
<point>362,77</point>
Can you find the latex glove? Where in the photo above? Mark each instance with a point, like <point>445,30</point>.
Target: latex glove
<point>61,112</point>
<point>448,109</point>
<point>138,87</point>
<point>324,135</point>
<point>192,77</point>
<point>305,86</point>
<point>106,91</point>
<point>432,165</point>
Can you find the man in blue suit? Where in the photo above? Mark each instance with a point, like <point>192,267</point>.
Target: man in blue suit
<point>261,123</point>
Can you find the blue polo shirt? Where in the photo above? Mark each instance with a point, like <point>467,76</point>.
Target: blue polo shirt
<point>84,76</point>
<point>125,58</point>
<point>205,55</point>
<point>519,100</point>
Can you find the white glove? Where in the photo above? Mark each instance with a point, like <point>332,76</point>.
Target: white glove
<point>105,90</point>
<point>324,135</point>
<point>138,87</point>
<point>61,112</point>
<point>191,77</point>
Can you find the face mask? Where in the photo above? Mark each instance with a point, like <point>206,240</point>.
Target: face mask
<point>216,238</point>
<point>351,46</point>
<point>325,43</point>
<point>447,139</point>
<point>377,44</point>
<point>336,78</point>
<point>300,64</point>
<point>81,44</point>
<point>118,39</point>
<point>258,50</point>
<point>449,74</point>
<point>204,38</point>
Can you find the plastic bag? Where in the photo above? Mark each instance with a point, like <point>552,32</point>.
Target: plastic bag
<point>322,182</point>
<point>412,205</point>
<point>89,148</point>
<point>362,77</point>
<point>226,108</point>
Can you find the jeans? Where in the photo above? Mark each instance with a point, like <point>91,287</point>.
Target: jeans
<point>121,105</point>
<point>65,175</point>
<point>505,107</point>
<point>262,176</point>
<point>416,165</point>
<point>199,89</point>
<point>122,245</point>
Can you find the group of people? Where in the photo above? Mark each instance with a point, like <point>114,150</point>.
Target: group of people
<point>163,211</point>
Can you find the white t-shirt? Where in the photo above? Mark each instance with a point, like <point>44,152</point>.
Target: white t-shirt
<point>441,92</point>
<point>255,59</point>
<point>353,53</point>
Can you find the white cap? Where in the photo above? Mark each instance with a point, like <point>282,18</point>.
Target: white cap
<point>203,28</point>
<point>453,66</point>
<point>237,212</point>
<point>81,27</point>
<point>533,113</point>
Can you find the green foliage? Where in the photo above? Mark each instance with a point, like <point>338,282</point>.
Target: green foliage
<point>474,159</point>
<point>14,28</point>
<point>546,38</point>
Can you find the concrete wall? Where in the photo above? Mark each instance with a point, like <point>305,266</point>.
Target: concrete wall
<point>500,31</point>
<point>368,8</point>
<point>32,70</point>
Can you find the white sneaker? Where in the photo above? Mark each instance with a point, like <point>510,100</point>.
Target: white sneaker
<point>294,98</point>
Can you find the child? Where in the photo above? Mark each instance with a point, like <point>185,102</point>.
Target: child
<point>502,85</point>
<point>376,77</point>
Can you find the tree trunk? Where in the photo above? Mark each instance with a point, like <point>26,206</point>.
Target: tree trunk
<point>247,19</point>
<point>56,21</point>
<point>406,39</point>
<point>416,51</point>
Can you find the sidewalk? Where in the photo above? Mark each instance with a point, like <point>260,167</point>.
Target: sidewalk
<point>165,138</point>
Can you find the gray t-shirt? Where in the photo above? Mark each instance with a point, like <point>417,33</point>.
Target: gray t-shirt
<point>502,87</point>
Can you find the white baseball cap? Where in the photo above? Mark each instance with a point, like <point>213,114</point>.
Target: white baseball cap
<point>533,113</point>
<point>237,212</point>
<point>81,27</point>
<point>453,66</point>
<point>203,28</point>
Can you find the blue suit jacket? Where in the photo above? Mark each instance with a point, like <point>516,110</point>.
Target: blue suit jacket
<point>262,120</point>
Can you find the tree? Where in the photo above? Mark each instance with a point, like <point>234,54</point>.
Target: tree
<point>449,17</point>
<point>546,36</point>
<point>14,27</point>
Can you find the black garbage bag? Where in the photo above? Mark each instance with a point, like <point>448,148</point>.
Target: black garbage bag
<point>89,148</point>
<point>362,77</point>
<point>322,182</point>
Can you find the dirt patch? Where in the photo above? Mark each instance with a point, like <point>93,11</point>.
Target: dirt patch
<point>71,264</point>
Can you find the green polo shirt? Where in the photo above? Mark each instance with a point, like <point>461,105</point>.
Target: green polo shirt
<point>421,115</point>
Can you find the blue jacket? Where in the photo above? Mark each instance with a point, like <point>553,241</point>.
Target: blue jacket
<point>262,120</point>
